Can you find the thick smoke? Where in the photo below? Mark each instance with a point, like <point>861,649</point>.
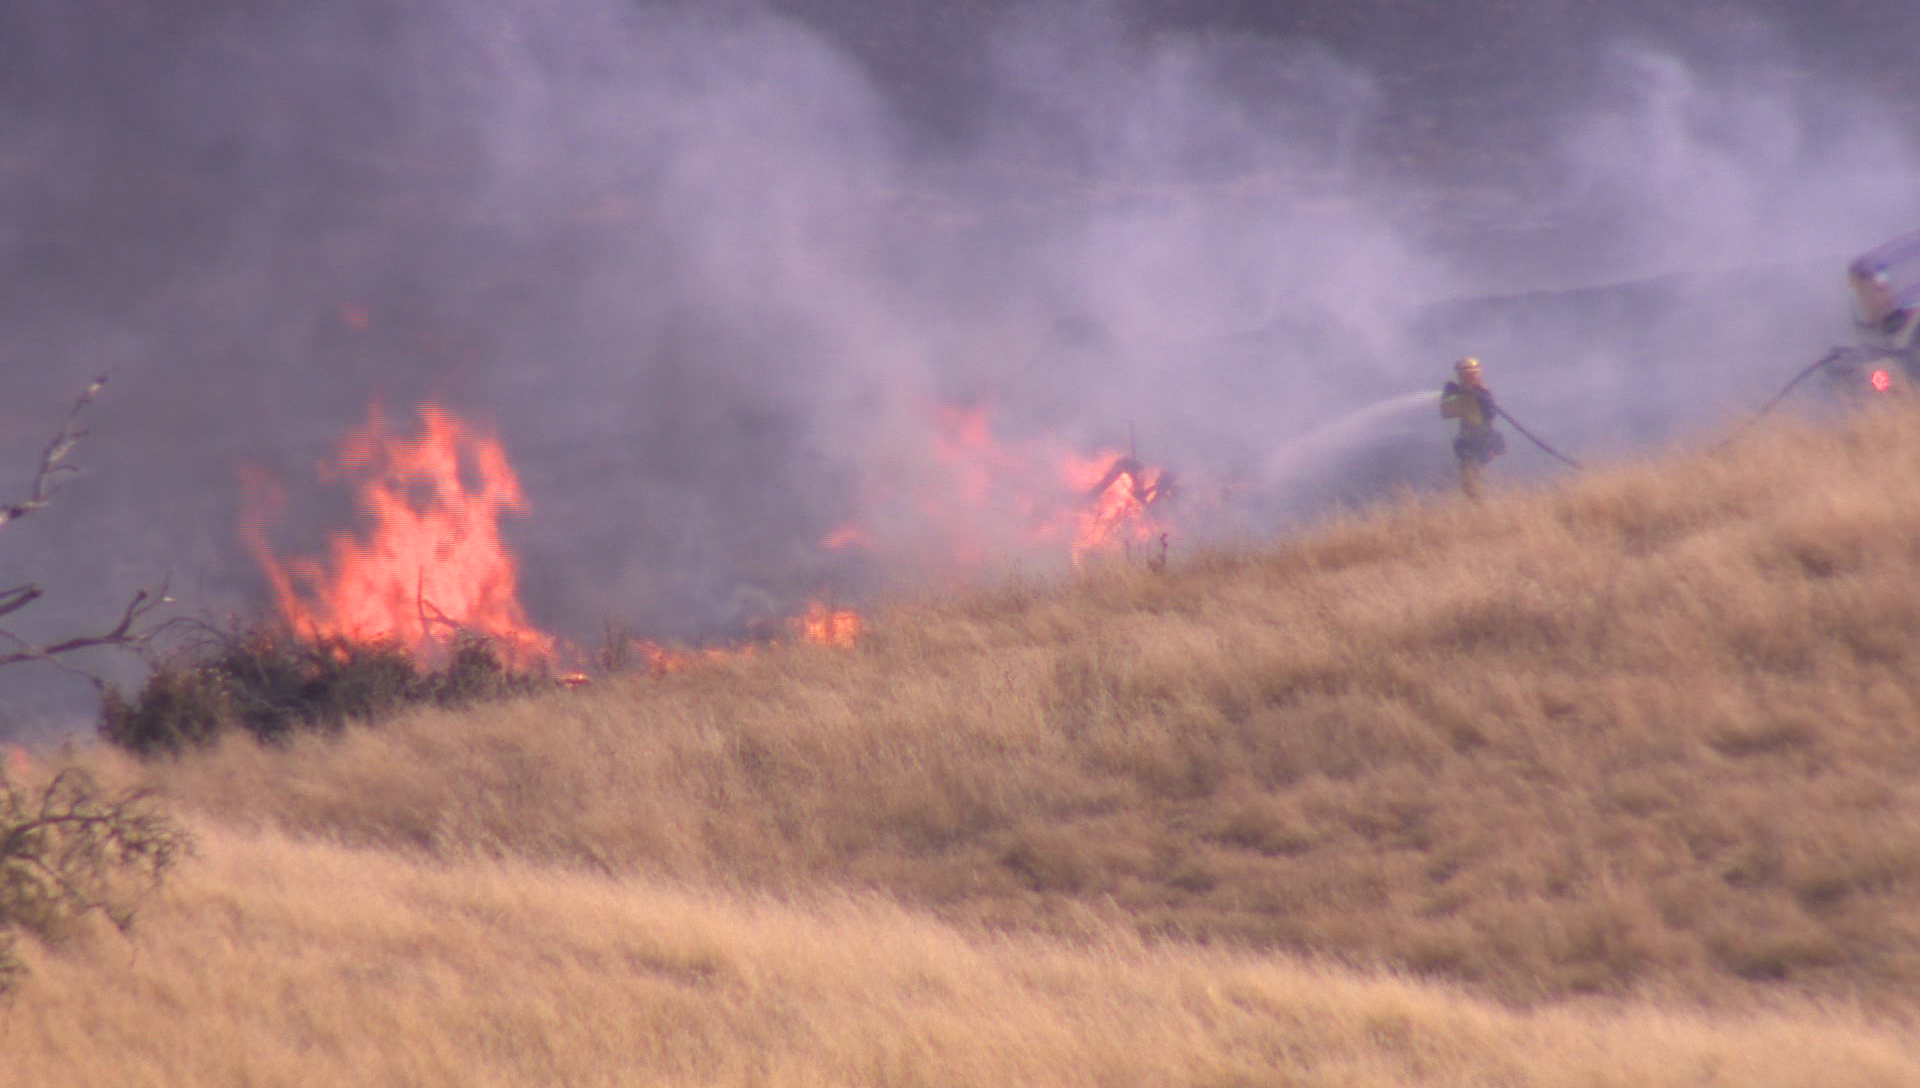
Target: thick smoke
<point>711,272</point>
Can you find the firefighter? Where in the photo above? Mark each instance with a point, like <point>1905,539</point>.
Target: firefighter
<point>1468,400</point>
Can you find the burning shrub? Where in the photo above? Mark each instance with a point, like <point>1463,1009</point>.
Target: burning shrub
<point>68,851</point>
<point>271,683</point>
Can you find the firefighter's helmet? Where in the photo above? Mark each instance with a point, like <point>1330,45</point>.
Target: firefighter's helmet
<point>1468,368</point>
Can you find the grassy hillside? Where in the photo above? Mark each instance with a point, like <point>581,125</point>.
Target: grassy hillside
<point>1657,726</point>
<point>1598,773</point>
<point>279,963</point>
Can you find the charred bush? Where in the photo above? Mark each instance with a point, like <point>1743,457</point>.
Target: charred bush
<point>69,850</point>
<point>271,684</point>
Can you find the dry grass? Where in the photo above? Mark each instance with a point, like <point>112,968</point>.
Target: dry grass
<point>1655,728</point>
<point>1621,781</point>
<point>280,963</point>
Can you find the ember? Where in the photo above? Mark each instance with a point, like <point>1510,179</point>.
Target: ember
<point>818,625</point>
<point>662,660</point>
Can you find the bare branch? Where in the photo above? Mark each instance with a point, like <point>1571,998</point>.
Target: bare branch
<point>13,600</point>
<point>125,634</point>
<point>47,479</point>
<point>436,615</point>
<point>53,466</point>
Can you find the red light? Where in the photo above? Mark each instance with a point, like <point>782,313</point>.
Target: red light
<point>1880,380</point>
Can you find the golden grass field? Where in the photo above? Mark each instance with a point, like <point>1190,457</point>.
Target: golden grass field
<point>1615,783</point>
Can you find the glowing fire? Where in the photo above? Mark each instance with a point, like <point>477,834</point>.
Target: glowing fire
<point>981,499</point>
<point>662,660</point>
<point>432,563</point>
<point>1121,494</point>
<point>819,625</point>
<point>1881,380</point>
<point>825,626</point>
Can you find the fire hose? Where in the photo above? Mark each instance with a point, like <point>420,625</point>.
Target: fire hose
<point>1765,409</point>
<point>1530,436</point>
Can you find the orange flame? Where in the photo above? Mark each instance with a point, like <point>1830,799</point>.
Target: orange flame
<point>818,625</point>
<point>1121,493</point>
<point>663,660</point>
<point>985,499</point>
<point>824,626</point>
<point>432,564</point>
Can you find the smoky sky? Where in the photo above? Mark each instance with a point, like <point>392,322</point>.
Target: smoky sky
<point>709,271</point>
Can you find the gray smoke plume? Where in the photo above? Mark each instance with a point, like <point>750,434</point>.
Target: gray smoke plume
<point>712,272</point>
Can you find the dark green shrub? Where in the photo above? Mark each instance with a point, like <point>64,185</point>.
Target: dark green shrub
<point>271,684</point>
<point>182,705</point>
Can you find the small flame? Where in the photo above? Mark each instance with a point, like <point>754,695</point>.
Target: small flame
<point>663,660</point>
<point>819,625</point>
<point>824,626</point>
<point>432,563</point>
<point>19,764</point>
<point>1881,380</point>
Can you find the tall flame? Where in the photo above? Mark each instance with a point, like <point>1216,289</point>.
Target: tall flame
<point>432,563</point>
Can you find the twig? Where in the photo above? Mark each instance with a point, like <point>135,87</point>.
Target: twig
<point>438,616</point>
<point>13,600</point>
<point>46,479</point>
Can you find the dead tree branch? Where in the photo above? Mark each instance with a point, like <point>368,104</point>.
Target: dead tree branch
<point>13,600</point>
<point>126,634</point>
<point>48,478</point>
<point>53,460</point>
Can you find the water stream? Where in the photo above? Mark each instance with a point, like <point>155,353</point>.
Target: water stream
<point>1325,450</point>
